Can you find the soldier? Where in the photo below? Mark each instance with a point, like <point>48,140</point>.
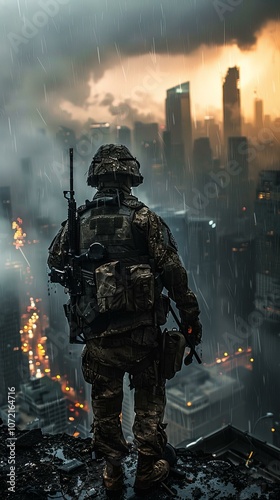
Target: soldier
<point>121,312</point>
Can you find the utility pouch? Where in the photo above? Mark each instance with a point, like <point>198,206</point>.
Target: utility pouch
<point>76,331</point>
<point>124,288</point>
<point>87,366</point>
<point>173,348</point>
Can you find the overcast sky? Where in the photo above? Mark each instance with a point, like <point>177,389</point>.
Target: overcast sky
<point>51,49</point>
<point>68,61</point>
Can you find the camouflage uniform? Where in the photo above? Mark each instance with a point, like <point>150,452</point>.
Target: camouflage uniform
<point>130,343</point>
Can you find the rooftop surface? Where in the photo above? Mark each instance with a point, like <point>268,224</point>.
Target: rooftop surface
<point>216,467</point>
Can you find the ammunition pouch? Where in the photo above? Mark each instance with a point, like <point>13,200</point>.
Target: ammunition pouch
<point>124,288</point>
<point>173,348</point>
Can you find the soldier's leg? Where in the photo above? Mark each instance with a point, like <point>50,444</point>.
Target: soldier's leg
<point>107,395</point>
<point>150,401</point>
<point>149,430</point>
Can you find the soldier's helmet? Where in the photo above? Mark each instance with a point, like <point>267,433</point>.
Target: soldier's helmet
<point>113,162</point>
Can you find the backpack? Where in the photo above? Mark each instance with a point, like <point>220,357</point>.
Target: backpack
<point>121,280</point>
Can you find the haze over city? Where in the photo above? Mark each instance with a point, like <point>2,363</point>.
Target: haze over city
<point>82,74</point>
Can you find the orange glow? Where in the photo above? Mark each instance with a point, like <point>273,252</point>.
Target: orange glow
<point>19,235</point>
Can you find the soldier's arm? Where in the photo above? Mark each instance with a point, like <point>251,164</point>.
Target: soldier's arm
<point>163,249</point>
<point>58,249</point>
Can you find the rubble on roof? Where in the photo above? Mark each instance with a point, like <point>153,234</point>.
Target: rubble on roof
<point>61,466</point>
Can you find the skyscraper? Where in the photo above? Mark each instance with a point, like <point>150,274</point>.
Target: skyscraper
<point>5,217</point>
<point>123,135</point>
<point>231,104</point>
<point>146,142</point>
<point>5,203</point>
<point>238,152</point>
<point>267,211</point>
<point>202,161</point>
<point>258,113</point>
<point>239,186</point>
<point>178,123</point>
<point>12,364</point>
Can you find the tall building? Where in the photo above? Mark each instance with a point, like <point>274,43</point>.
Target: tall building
<point>5,217</point>
<point>146,142</point>
<point>237,158</point>
<point>212,130</point>
<point>266,345</point>
<point>144,132</point>
<point>147,151</point>
<point>238,152</point>
<point>237,274</point>
<point>259,119</point>
<point>100,133</point>
<point>43,398</point>
<point>123,136</point>
<point>12,362</point>
<point>179,124</point>
<point>231,104</point>
<point>267,212</point>
<point>5,203</point>
<point>202,161</point>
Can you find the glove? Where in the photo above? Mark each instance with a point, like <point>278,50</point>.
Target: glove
<point>193,330</point>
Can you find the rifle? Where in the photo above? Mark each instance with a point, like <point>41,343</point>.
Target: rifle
<point>71,276</point>
<point>74,271</point>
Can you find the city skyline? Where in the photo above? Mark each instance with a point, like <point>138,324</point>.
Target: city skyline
<point>142,95</point>
<point>104,63</point>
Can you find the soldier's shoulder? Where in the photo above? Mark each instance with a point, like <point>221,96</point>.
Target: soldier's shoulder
<point>144,215</point>
<point>132,202</point>
<point>168,238</point>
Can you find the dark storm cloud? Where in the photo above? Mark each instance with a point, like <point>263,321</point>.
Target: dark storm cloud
<point>107,100</point>
<point>49,47</point>
<point>129,112</point>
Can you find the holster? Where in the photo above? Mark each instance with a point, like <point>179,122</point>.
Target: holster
<point>172,352</point>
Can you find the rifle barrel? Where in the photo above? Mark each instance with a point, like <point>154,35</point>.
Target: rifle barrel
<point>71,172</point>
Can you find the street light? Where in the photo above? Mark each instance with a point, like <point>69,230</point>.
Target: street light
<point>267,415</point>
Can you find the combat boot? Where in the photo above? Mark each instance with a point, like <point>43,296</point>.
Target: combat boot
<point>113,476</point>
<point>150,472</point>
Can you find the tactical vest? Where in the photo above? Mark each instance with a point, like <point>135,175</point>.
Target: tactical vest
<point>122,279</point>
